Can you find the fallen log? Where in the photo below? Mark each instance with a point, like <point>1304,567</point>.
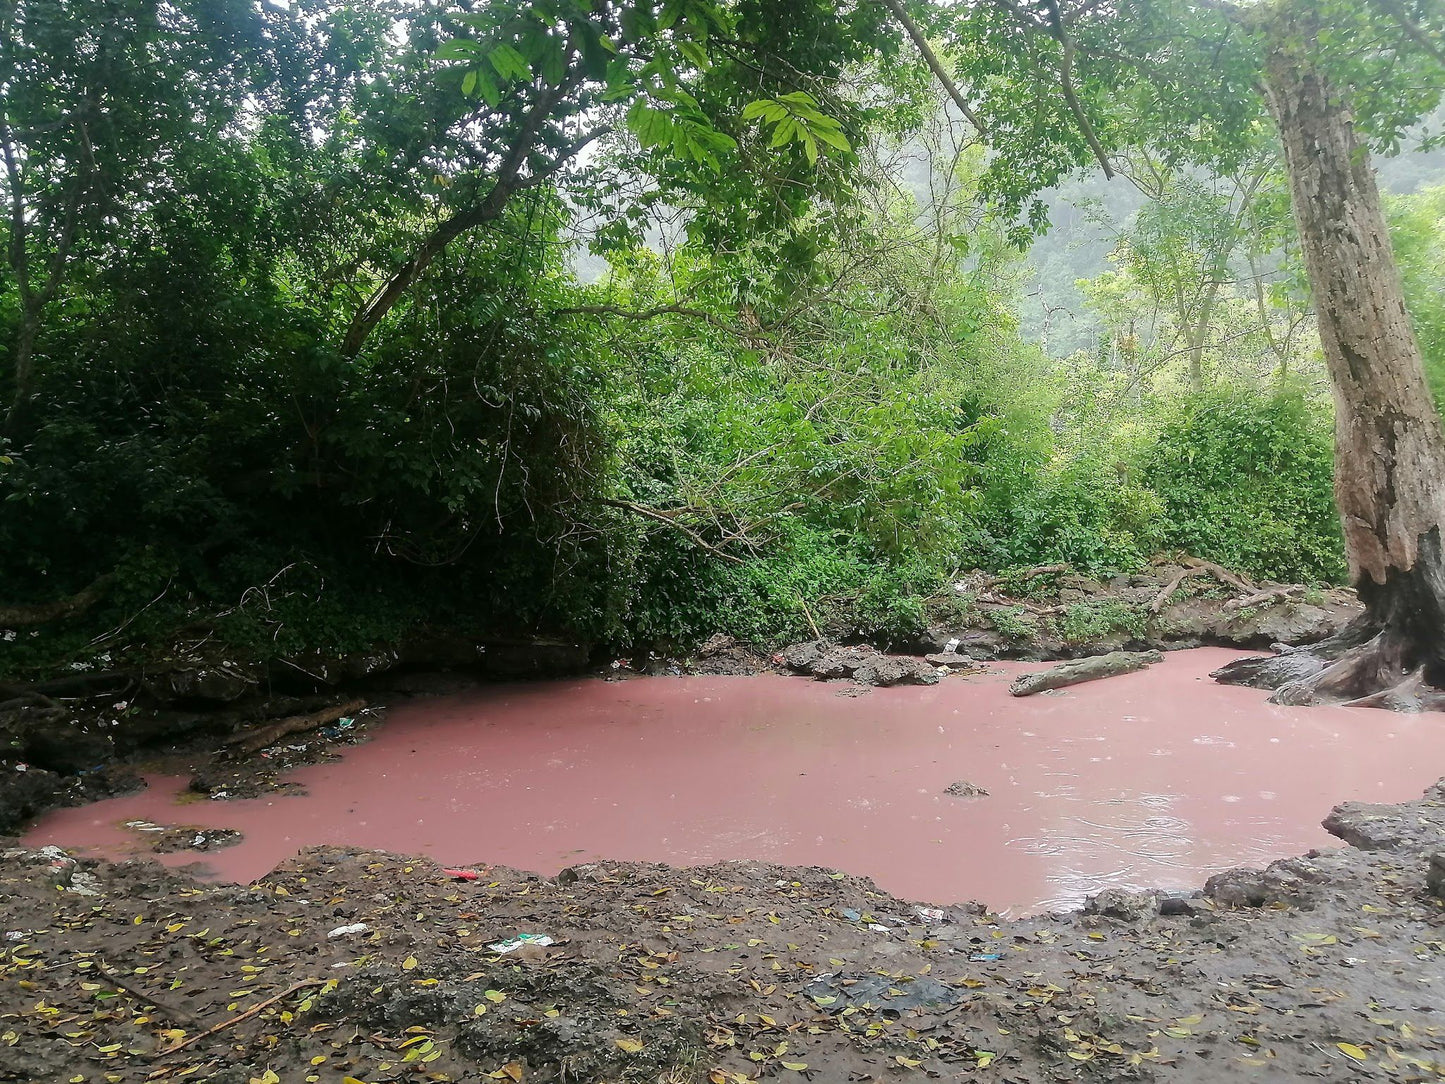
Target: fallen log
<point>256,740</point>
<point>1077,671</point>
<point>41,613</point>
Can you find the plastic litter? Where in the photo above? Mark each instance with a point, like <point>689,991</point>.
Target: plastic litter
<point>930,914</point>
<point>85,884</point>
<point>987,956</point>
<point>541,940</point>
<point>835,993</point>
<point>877,928</point>
<point>851,915</point>
<point>952,645</point>
<point>347,931</point>
<point>462,874</point>
<point>15,935</point>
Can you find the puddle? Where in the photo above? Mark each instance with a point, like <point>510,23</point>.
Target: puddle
<point>1155,778</point>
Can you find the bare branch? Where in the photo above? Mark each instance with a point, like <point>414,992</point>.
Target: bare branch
<point>667,518</point>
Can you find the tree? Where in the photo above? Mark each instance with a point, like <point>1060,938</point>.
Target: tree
<point>739,115</point>
<point>93,94</point>
<point>1200,71</point>
<point>1389,446</point>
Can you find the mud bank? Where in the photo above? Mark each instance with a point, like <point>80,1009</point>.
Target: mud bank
<point>363,965</point>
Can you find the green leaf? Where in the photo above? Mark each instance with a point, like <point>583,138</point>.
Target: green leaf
<point>554,64</point>
<point>509,63</point>
<point>458,49</point>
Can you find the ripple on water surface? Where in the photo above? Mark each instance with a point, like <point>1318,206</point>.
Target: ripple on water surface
<point>1155,778</point>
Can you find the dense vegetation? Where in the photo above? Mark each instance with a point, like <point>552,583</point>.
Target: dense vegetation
<point>715,365</point>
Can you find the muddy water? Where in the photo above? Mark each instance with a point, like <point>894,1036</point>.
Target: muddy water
<point>1156,778</point>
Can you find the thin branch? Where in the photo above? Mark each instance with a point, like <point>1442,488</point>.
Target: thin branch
<point>663,517</point>
<point>934,64</point>
<point>1412,29</point>
<point>1066,84</point>
<point>643,314</point>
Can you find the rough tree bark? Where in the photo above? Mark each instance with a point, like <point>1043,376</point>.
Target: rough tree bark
<point>1389,447</point>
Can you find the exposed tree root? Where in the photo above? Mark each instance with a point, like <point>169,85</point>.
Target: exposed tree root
<point>1365,666</point>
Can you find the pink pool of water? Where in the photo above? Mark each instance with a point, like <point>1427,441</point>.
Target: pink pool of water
<point>1151,779</point>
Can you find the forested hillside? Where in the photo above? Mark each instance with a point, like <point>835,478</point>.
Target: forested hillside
<point>294,352</point>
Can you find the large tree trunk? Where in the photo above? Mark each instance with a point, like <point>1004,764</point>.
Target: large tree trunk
<point>1389,447</point>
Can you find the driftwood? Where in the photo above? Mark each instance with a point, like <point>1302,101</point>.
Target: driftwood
<point>256,740</point>
<point>1077,671</point>
<point>17,617</point>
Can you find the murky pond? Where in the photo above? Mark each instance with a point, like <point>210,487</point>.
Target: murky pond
<point>1155,778</point>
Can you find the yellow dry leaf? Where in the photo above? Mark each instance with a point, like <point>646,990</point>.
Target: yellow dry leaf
<point>408,963</point>
<point>795,1066</point>
<point>1350,1050</point>
<point>629,1046</point>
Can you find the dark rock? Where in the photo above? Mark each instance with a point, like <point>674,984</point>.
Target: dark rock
<point>885,670</point>
<point>1415,826</point>
<point>836,663</point>
<point>964,789</point>
<point>534,658</point>
<point>1171,906</point>
<point>1435,874</point>
<point>1125,906</point>
<point>1289,883</point>
<point>69,746</point>
<point>801,657</point>
<point>220,683</point>
<point>25,793</point>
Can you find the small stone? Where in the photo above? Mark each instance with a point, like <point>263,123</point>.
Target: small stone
<point>1171,906</point>
<point>964,789</point>
<point>1435,874</point>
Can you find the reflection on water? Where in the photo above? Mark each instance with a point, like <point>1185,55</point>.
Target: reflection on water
<point>1155,778</point>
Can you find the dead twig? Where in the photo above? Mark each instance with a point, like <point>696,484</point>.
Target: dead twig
<point>175,1012</point>
<point>233,1021</point>
<point>664,517</point>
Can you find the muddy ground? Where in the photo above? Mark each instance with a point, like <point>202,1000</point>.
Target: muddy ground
<point>347,965</point>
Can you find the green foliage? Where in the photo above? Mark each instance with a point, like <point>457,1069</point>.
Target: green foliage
<point>1090,622</point>
<point>1417,228</point>
<point>1245,480</point>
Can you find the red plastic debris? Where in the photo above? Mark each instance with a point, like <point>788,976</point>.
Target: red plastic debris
<point>462,874</point>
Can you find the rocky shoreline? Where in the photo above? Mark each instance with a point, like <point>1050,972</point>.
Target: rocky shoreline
<point>376,967</point>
